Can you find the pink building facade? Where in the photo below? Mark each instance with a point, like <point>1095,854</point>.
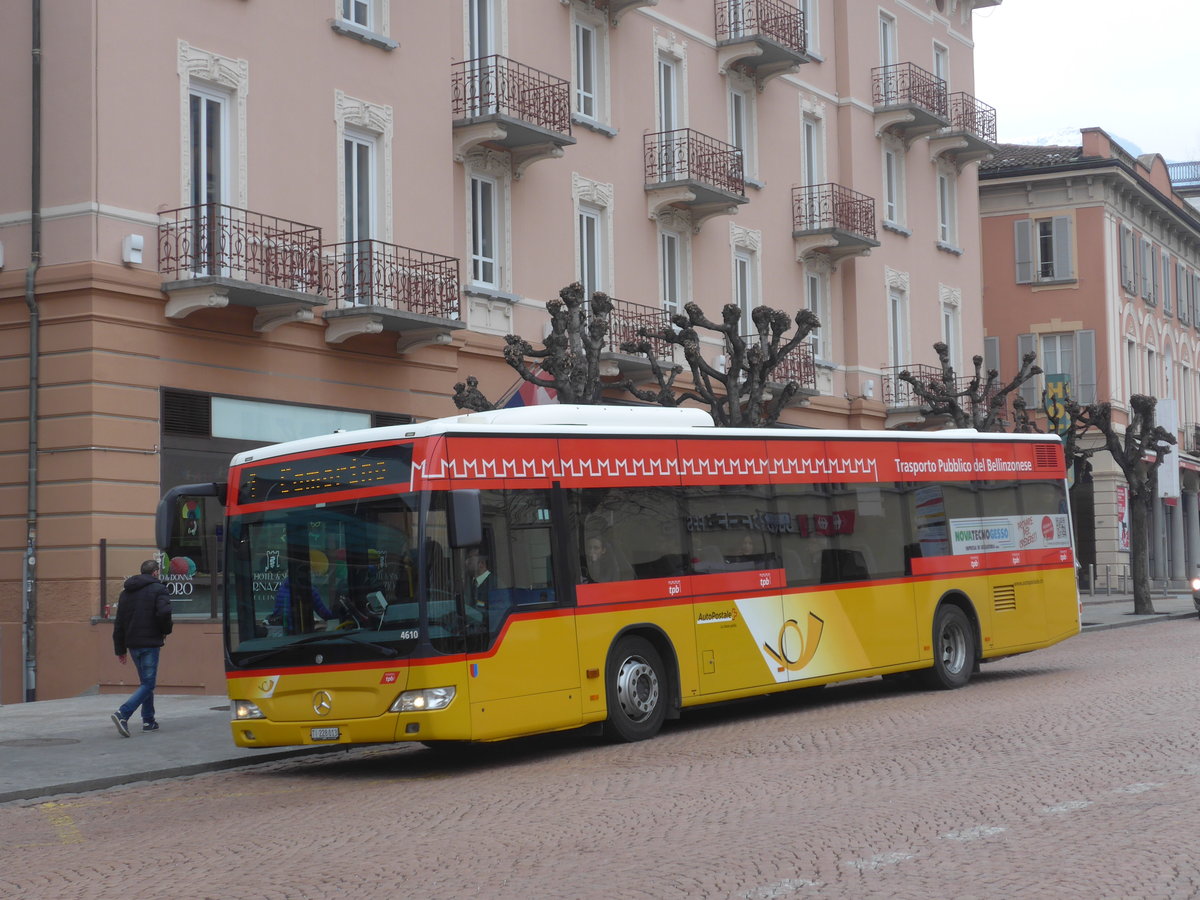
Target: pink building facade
<point>261,220</point>
<point>1092,259</point>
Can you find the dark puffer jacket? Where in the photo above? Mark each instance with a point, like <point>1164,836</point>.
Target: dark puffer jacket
<point>143,614</point>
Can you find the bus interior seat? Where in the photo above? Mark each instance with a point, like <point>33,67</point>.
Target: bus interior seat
<point>841,564</point>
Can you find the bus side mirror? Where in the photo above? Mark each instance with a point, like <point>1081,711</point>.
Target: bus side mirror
<point>466,519</point>
<point>168,510</point>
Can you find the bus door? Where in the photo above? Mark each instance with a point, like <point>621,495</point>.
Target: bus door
<point>523,662</point>
<point>736,584</point>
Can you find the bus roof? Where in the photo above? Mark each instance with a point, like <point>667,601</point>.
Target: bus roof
<point>556,418</point>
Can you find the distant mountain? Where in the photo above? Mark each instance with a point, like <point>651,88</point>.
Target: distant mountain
<point>1069,137</point>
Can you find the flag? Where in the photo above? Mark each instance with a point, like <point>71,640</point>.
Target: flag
<point>526,393</point>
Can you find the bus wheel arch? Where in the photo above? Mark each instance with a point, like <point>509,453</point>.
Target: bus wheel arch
<point>956,643</point>
<point>641,684</point>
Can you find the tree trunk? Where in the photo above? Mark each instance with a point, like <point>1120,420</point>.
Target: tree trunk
<point>1139,550</point>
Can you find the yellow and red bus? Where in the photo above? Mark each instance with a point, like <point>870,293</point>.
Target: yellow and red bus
<point>532,570</point>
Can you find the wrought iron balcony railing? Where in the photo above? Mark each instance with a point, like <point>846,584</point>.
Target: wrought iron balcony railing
<point>625,321</point>
<point>832,207</point>
<point>687,155</point>
<point>780,22</point>
<point>905,84</point>
<point>495,85</point>
<point>1184,174</point>
<point>900,394</point>
<point>1191,438</point>
<point>372,273</point>
<point>798,366</point>
<point>214,239</point>
<point>968,114</point>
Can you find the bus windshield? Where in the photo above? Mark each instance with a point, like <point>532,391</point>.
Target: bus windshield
<point>346,581</point>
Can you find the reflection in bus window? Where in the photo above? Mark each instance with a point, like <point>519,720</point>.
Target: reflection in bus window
<point>734,528</point>
<point>640,530</point>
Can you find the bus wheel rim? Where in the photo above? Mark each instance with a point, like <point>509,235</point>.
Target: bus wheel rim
<point>954,648</point>
<point>637,688</point>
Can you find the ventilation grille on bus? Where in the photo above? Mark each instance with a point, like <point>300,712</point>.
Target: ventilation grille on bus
<point>381,420</point>
<point>1004,598</point>
<point>1047,456</point>
<point>186,413</point>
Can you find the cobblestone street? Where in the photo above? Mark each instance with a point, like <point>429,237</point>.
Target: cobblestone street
<point>1073,772</point>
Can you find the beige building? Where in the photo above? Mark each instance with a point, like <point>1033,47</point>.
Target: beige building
<point>260,220</point>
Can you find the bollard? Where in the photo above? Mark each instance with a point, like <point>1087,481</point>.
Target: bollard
<point>1092,580</point>
<point>1107,581</point>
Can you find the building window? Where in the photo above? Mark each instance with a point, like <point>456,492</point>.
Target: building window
<point>745,287</point>
<point>1068,356</point>
<point>887,40</point>
<point>1043,249</point>
<point>941,63</point>
<point>357,11</point>
<point>1131,367</point>
<point>670,264</point>
<point>358,162</point>
<point>808,9</point>
<point>1166,284</point>
<point>1151,372</point>
<point>947,210</point>
<point>950,331</point>
<point>590,51</point>
<point>742,125</point>
<point>893,186</point>
<point>1149,272</point>
<point>813,149</point>
<point>897,326</point>
<point>1182,294</point>
<point>485,231</point>
<point>816,298</point>
<point>207,112</point>
<point>591,250</point>
<point>1128,260</point>
<point>212,127</point>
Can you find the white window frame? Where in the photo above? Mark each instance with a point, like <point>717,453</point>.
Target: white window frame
<point>812,148</point>
<point>947,209</point>
<point>202,71</point>
<point>951,329</point>
<point>745,285</point>
<point>354,222</point>
<point>898,331</point>
<point>672,270</point>
<point>816,299</point>
<point>587,23</point>
<point>350,11</point>
<point>589,234</point>
<point>812,31</point>
<point>486,268</point>
<point>894,164</point>
<point>941,62</point>
<point>887,40</point>
<point>742,100</point>
<point>586,75</point>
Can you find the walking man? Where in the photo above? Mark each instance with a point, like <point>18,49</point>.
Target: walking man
<point>143,620</point>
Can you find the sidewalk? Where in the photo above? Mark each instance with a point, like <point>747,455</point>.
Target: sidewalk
<point>67,746</point>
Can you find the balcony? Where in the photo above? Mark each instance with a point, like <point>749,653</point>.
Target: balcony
<point>762,37</point>
<point>694,172</point>
<point>500,103</point>
<point>1185,178</point>
<point>900,398</point>
<point>616,8</point>
<point>798,366</point>
<point>376,287</point>
<point>909,101</point>
<point>623,325</point>
<point>213,256</point>
<point>833,221</point>
<point>971,135</point>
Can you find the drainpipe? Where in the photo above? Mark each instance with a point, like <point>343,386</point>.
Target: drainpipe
<point>29,561</point>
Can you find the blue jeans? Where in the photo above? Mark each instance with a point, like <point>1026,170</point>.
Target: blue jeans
<point>145,660</point>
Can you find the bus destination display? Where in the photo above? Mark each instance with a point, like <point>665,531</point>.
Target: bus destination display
<point>325,474</point>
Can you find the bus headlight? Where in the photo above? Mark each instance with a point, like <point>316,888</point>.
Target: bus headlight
<point>419,701</point>
<point>244,709</point>
<point>1196,584</point>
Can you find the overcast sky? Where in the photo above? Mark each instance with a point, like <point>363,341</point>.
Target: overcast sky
<point>1052,65</point>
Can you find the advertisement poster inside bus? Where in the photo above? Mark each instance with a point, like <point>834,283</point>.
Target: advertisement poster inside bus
<point>1001,533</point>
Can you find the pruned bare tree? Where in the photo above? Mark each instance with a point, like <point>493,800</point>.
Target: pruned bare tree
<point>742,393</point>
<point>469,397</point>
<point>1139,453</point>
<point>981,403</point>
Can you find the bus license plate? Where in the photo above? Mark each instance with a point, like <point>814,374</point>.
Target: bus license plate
<point>326,734</point>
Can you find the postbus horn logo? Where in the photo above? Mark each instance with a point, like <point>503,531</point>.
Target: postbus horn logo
<point>806,648</point>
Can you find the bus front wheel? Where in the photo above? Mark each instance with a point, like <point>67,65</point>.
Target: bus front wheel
<point>953,649</point>
<point>637,690</point>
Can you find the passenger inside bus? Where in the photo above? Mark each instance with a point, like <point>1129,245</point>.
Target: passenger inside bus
<point>603,562</point>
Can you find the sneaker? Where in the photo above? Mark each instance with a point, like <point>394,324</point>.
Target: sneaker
<point>149,726</point>
<point>122,724</point>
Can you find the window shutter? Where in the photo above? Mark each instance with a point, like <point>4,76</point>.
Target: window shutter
<point>1126,278</point>
<point>1029,390</point>
<point>991,355</point>
<point>1023,241</point>
<point>1154,290</point>
<point>1061,229</point>
<point>1166,284</point>
<point>1085,366</point>
<point>1181,292</point>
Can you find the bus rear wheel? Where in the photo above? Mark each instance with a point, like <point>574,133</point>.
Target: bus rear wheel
<point>953,649</point>
<point>637,690</point>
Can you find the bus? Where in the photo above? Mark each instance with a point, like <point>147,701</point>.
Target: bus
<point>539,569</point>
